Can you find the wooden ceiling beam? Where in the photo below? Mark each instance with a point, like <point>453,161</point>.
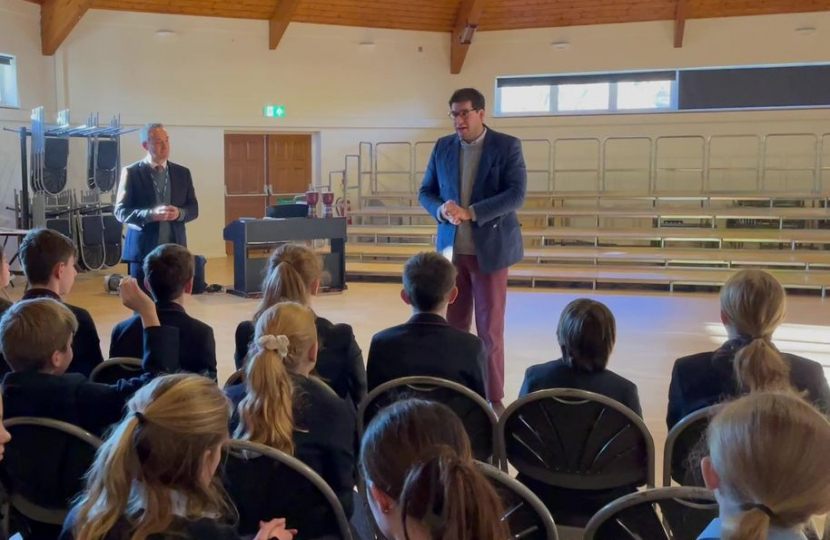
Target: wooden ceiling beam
<point>680,23</point>
<point>465,28</point>
<point>280,20</point>
<point>57,19</point>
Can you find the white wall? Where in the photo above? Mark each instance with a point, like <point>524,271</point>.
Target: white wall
<point>215,75</point>
<point>20,36</point>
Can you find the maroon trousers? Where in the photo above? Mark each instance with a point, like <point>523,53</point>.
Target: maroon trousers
<point>487,294</point>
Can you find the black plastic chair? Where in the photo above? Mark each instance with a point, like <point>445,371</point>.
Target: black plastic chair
<point>684,513</point>
<point>682,445</point>
<point>526,516</point>
<point>576,450</point>
<point>42,472</point>
<point>478,418</point>
<point>265,483</point>
<point>115,369</point>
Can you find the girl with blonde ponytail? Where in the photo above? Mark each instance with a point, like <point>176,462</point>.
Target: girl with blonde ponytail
<point>753,305</point>
<point>283,405</point>
<point>154,475</point>
<point>293,274</point>
<point>421,479</point>
<point>768,468</point>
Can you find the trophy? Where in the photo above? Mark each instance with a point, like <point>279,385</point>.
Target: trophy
<point>311,199</point>
<point>328,204</point>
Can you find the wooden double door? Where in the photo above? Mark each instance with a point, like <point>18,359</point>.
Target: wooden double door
<point>262,169</point>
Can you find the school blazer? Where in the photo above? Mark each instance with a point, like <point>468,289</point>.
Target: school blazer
<point>197,346</point>
<point>339,358</point>
<point>72,398</point>
<point>427,345</point>
<point>708,378</point>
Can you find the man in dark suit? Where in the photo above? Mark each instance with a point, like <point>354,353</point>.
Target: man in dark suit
<point>169,277</point>
<point>48,260</point>
<point>473,185</point>
<point>427,345</point>
<point>155,199</point>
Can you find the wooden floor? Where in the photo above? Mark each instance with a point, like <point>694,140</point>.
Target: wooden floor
<point>653,328</point>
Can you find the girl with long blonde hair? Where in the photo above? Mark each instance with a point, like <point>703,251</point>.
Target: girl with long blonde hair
<point>283,405</point>
<point>767,466</point>
<point>293,274</point>
<point>155,474</point>
<point>752,306</point>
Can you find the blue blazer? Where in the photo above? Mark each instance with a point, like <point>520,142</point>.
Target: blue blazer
<point>137,197</point>
<point>498,191</point>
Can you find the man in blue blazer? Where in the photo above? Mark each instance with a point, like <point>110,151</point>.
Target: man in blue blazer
<point>155,199</point>
<point>473,185</point>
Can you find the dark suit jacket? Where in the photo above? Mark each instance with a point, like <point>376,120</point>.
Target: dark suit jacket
<point>705,379</point>
<point>86,345</point>
<point>325,439</point>
<point>427,346</point>
<point>136,199</point>
<point>72,398</point>
<point>499,190</point>
<point>339,358</point>
<point>197,347</point>
<point>556,374</point>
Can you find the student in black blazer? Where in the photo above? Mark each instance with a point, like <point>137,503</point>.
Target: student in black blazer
<point>155,199</point>
<point>155,474</point>
<point>427,345</point>
<point>39,386</point>
<point>294,274</point>
<point>586,332</point>
<point>753,305</point>
<point>283,406</point>
<point>169,277</point>
<point>48,260</point>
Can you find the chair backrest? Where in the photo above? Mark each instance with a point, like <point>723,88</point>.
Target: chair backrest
<point>526,516</point>
<point>682,444</point>
<point>265,483</point>
<point>577,440</point>
<point>113,370</point>
<point>237,377</point>
<point>684,512</point>
<point>43,466</point>
<point>478,418</point>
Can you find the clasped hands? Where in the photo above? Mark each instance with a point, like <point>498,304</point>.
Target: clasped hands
<point>454,213</point>
<point>164,212</point>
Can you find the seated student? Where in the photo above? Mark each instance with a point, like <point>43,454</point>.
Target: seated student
<point>767,466</point>
<point>427,345</point>
<point>48,260</point>
<point>36,339</point>
<point>282,406</point>
<point>586,332</point>
<point>294,274</point>
<point>155,474</point>
<point>752,306</point>
<point>421,479</point>
<point>169,277</point>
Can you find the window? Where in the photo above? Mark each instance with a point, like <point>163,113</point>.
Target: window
<point>583,97</point>
<point>698,89</point>
<point>644,95</point>
<point>8,81</point>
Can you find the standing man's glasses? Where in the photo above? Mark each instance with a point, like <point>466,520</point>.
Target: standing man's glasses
<point>463,114</point>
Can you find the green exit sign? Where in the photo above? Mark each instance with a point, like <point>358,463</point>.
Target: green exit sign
<point>274,111</point>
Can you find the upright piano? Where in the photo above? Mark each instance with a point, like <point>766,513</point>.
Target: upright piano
<point>257,234</point>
